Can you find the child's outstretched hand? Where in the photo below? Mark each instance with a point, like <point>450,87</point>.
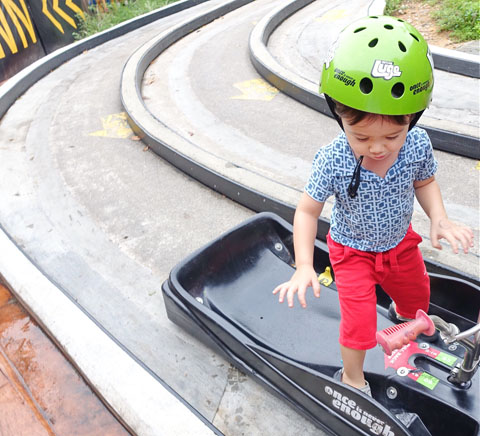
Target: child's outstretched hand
<point>304,277</point>
<point>453,233</point>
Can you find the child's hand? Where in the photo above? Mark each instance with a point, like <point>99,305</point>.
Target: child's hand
<point>304,277</point>
<point>452,232</point>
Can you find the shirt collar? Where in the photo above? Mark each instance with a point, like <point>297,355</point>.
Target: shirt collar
<point>343,162</point>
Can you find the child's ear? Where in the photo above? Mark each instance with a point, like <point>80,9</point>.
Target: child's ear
<point>414,119</point>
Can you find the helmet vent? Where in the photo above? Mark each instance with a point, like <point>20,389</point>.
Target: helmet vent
<point>388,26</point>
<point>397,90</point>
<point>359,29</point>
<point>414,37</point>
<point>401,46</point>
<point>366,85</point>
<point>373,42</point>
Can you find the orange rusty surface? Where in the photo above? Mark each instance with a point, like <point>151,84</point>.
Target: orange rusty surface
<point>40,391</point>
<point>4,295</point>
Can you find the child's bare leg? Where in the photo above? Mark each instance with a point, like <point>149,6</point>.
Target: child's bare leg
<point>353,367</point>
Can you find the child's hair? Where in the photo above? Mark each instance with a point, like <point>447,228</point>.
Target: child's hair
<point>354,116</point>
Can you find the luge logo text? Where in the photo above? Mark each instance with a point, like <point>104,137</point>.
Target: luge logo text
<point>385,69</point>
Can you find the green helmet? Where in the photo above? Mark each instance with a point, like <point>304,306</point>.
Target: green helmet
<point>379,65</point>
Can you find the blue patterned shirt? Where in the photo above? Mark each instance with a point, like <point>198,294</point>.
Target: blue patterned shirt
<point>377,219</point>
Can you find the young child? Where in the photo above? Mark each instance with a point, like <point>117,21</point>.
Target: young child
<point>378,80</point>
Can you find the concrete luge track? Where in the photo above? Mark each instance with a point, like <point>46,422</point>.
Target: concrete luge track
<point>212,136</point>
<point>63,239</point>
<point>452,120</point>
<point>14,88</point>
<point>99,223</point>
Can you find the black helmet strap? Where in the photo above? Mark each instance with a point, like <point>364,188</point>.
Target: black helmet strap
<point>331,106</point>
<point>415,119</point>
<point>355,180</point>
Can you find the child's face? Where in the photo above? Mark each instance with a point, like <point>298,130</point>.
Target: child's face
<point>375,138</point>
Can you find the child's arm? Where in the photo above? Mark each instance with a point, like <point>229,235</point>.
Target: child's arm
<point>304,234</point>
<point>430,198</point>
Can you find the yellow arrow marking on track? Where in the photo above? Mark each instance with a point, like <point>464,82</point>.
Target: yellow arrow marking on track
<point>478,165</point>
<point>255,89</point>
<point>114,126</point>
<point>333,15</point>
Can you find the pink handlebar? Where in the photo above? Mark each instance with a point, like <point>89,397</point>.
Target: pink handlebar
<point>399,335</point>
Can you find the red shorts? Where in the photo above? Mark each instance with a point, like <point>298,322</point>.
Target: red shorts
<point>400,272</point>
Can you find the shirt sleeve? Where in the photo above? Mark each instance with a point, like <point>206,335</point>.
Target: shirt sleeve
<point>429,164</point>
<point>319,185</point>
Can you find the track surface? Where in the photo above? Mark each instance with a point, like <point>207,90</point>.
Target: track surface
<point>216,101</point>
<point>107,220</point>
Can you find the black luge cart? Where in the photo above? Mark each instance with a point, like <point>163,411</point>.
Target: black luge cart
<point>222,294</point>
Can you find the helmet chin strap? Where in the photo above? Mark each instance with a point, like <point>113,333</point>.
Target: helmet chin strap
<point>355,181</point>
<point>331,106</point>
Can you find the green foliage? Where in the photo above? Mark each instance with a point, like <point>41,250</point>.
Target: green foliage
<point>461,17</point>
<point>97,20</point>
<point>392,7</point>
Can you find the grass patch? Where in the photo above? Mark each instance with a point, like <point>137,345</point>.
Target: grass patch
<point>96,20</point>
<point>392,6</point>
<point>461,17</point>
